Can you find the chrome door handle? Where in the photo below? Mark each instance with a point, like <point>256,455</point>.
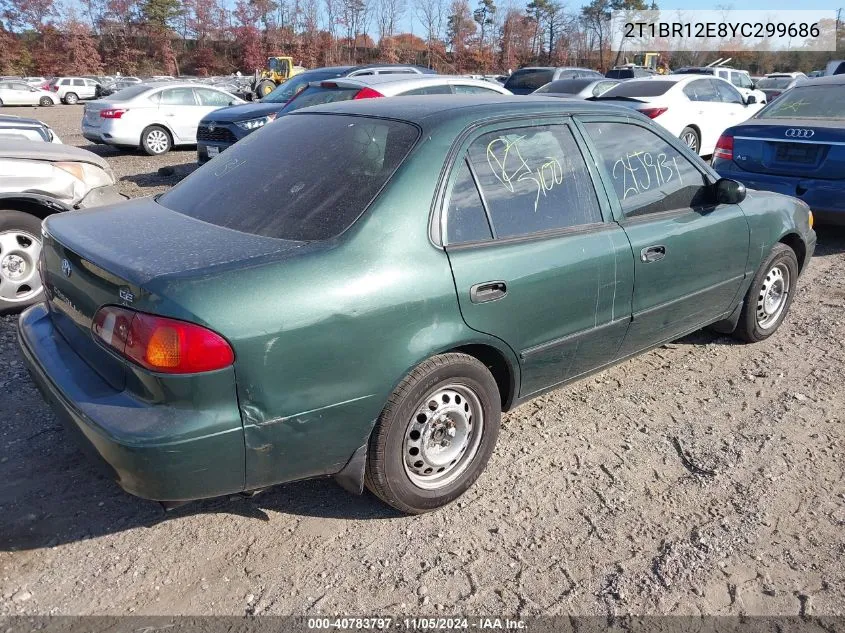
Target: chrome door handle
<point>653,253</point>
<point>488,291</point>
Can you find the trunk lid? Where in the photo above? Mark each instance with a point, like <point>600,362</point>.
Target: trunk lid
<point>791,147</point>
<point>108,255</point>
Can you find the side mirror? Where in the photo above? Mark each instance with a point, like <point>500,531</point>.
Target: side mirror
<point>729,191</point>
<point>750,100</point>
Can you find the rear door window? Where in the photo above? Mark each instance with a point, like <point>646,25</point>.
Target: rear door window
<point>78,82</point>
<point>306,177</point>
<point>177,97</point>
<point>533,179</point>
<point>701,90</point>
<point>208,97</point>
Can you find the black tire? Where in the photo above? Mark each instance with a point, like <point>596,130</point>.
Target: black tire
<point>11,221</point>
<point>156,140</point>
<point>751,327</point>
<point>387,474</point>
<point>1,103</point>
<point>689,136</point>
<point>45,101</point>
<point>264,88</point>
<point>71,98</point>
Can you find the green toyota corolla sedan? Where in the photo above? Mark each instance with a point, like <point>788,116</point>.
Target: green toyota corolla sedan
<point>359,290</point>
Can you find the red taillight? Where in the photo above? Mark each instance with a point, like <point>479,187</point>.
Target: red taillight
<point>328,84</point>
<point>724,147</point>
<point>653,113</point>
<point>55,88</point>
<point>160,344</point>
<point>367,93</point>
<point>112,114</point>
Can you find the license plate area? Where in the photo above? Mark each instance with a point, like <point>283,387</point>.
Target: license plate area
<point>212,151</point>
<point>797,153</point>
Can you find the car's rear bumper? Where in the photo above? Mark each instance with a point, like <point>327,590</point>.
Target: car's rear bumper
<point>152,450</point>
<point>206,150</point>
<point>112,132</point>
<point>825,197</point>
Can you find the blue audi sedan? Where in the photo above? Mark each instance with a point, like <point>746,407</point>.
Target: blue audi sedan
<point>794,146</point>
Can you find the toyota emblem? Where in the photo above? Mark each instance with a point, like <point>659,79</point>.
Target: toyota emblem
<point>797,132</point>
<point>66,268</point>
<point>211,127</point>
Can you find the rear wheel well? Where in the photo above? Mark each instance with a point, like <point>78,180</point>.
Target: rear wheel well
<point>794,242</point>
<point>498,365</point>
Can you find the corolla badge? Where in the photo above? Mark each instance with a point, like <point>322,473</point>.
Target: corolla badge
<point>797,132</point>
<point>66,268</point>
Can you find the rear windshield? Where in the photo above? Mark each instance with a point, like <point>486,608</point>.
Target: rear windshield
<point>130,92</point>
<point>620,73</point>
<point>318,95</point>
<point>643,88</point>
<point>529,78</point>
<point>808,102</point>
<point>773,83</point>
<point>565,86</point>
<point>285,91</point>
<point>303,177</point>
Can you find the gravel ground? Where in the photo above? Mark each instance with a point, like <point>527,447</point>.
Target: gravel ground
<point>705,477</point>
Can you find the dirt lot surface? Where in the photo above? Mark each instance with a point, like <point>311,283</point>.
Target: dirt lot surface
<point>705,477</point>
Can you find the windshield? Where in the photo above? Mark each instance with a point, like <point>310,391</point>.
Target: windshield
<point>642,88</point>
<point>320,94</point>
<point>303,177</point>
<point>808,102</point>
<point>529,78</point>
<point>773,83</point>
<point>565,86</point>
<point>288,89</point>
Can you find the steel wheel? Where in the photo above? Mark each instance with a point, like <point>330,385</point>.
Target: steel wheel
<point>157,141</point>
<point>442,437</point>
<point>19,278</point>
<point>773,296</point>
<point>45,101</point>
<point>691,139</point>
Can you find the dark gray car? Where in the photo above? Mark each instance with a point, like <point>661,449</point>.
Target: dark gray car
<point>526,80</point>
<point>576,88</point>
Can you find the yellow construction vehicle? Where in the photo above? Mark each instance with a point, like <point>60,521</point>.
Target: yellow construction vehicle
<point>652,61</point>
<point>278,70</point>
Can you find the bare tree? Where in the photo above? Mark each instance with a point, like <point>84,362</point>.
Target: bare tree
<point>431,13</point>
<point>390,12</point>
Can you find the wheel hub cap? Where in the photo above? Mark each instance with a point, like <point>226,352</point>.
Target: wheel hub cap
<point>442,436</point>
<point>19,280</point>
<point>772,297</point>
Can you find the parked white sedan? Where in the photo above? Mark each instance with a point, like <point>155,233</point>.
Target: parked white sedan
<point>21,93</point>
<point>154,116</point>
<point>695,108</point>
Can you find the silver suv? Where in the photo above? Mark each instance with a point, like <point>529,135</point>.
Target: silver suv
<point>71,89</point>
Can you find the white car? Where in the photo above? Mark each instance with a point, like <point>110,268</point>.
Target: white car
<point>15,127</point>
<point>695,108</point>
<point>21,93</point>
<point>154,116</point>
<point>741,79</point>
<point>71,89</point>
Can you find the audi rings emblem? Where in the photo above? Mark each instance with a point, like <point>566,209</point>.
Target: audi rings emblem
<point>797,132</point>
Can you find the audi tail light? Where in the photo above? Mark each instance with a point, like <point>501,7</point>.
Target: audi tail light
<point>653,113</point>
<point>724,147</point>
<point>160,344</point>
